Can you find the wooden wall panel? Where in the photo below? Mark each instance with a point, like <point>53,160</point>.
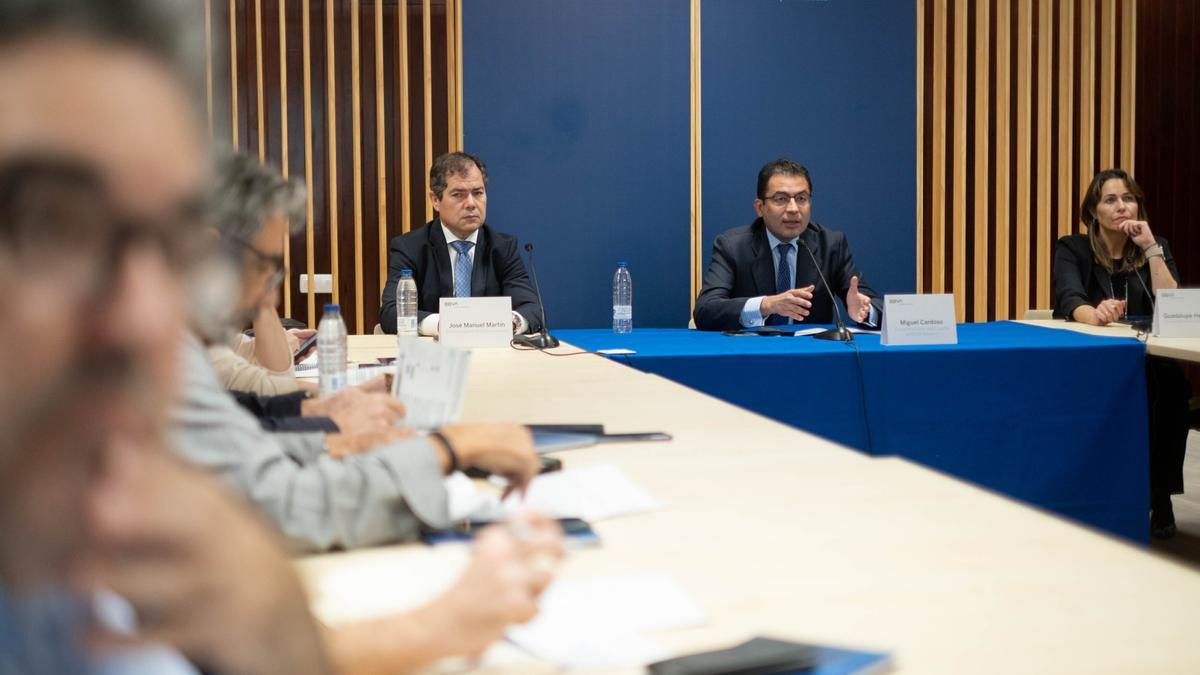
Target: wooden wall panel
<point>1167,141</point>
<point>1002,195</point>
<point>1023,180</point>
<point>1050,86</point>
<point>1066,119</point>
<point>959,161</point>
<point>982,143</point>
<point>937,179</point>
<point>285,157</point>
<point>343,67</point>
<point>1042,172</point>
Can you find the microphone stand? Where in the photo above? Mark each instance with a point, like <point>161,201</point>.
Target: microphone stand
<point>1144,326</point>
<point>840,333</point>
<point>542,340</point>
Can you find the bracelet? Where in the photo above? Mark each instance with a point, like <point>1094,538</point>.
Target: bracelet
<point>1153,251</point>
<point>449,450</point>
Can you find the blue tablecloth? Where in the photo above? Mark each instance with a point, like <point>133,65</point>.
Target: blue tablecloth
<point>1052,417</point>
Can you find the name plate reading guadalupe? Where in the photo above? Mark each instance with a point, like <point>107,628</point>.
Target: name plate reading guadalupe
<point>1177,313</point>
<point>919,320</point>
<point>475,322</point>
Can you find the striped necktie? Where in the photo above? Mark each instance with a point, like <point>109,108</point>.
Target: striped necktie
<point>462,269</point>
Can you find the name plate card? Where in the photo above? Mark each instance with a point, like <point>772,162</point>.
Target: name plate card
<point>919,320</point>
<point>1177,313</point>
<point>475,322</point>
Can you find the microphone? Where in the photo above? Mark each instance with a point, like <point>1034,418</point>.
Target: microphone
<point>841,332</point>
<point>1143,325</point>
<point>543,340</point>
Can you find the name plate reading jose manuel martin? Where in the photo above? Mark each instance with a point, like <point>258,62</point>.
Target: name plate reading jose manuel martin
<point>919,320</point>
<point>1177,313</point>
<point>475,322</point>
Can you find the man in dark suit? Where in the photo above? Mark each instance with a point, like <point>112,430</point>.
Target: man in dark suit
<point>760,274</point>
<point>457,254</point>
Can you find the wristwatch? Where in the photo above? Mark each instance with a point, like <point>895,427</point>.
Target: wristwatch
<point>1152,251</point>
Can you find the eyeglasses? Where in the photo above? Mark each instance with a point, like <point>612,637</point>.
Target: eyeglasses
<point>274,263</point>
<point>56,218</point>
<point>782,199</point>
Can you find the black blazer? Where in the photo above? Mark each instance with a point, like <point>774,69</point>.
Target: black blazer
<point>497,271</point>
<point>1078,280</point>
<point>742,267</point>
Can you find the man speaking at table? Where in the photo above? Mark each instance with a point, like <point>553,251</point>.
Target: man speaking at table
<point>761,274</point>
<point>457,254</point>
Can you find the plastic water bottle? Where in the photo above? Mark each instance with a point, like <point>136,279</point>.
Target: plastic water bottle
<point>406,305</point>
<point>331,351</point>
<point>622,299</point>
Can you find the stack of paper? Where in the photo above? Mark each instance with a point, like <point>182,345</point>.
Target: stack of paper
<point>308,367</point>
<point>431,382</point>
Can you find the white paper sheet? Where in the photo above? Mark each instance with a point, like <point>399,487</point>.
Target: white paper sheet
<point>600,622</point>
<point>370,584</point>
<point>592,493</point>
<point>431,382</point>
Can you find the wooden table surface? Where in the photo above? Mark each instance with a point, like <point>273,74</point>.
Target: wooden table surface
<point>774,531</point>
<point>1182,349</point>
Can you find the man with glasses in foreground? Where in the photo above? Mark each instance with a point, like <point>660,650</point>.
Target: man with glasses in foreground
<point>760,273</point>
<point>254,208</point>
<point>264,364</point>
<point>108,545</point>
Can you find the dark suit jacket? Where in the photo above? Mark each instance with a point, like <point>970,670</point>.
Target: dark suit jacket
<point>283,412</point>
<point>497,271</point>
<point>1078,280</point>
<point>742,267</point>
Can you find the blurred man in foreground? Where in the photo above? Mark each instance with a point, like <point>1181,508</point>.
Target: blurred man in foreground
<point>102,533</point>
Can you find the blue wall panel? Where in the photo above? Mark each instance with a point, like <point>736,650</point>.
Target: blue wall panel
<point>832,85</point>
<point>580,109</point>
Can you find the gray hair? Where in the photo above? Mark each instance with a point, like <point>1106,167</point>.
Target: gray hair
<point>164,29</point>
<point>246,194</point>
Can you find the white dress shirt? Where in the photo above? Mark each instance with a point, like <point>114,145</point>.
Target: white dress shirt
<point>752,311</point>
<point>429,325</point>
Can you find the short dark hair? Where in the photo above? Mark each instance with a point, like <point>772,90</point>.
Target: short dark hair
<point>784,167</point>
<point>164,29</point>
<point>246,193</point>
<point>453,164</point>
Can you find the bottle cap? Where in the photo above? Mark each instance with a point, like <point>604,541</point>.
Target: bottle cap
<point>622,263</point>
<point>333,308</point>
<point>406,273</point>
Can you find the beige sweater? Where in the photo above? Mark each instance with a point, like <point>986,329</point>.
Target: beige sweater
<point>238,370</point>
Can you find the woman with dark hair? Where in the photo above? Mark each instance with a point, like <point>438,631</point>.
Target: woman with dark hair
<point>1111,273</point>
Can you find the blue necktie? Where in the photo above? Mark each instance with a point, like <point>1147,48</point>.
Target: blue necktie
<point>783,280</point>
<point>462,269</point>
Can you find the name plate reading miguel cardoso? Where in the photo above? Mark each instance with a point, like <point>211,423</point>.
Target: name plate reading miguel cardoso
<point>919,320</point>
